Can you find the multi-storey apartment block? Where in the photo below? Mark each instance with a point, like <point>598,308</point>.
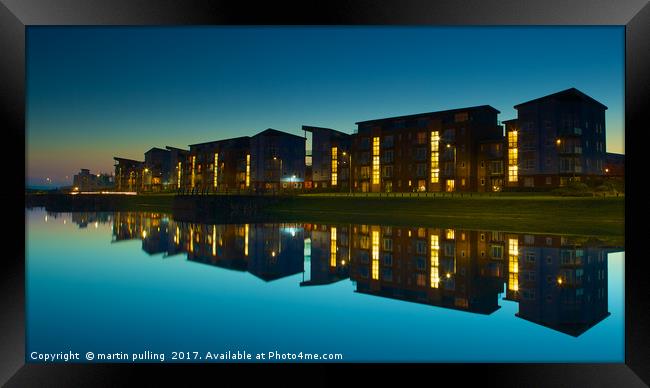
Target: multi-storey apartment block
<point>436,151</point>
<point>556,139</point>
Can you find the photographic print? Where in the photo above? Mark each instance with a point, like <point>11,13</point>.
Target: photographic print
<point>329,194</point>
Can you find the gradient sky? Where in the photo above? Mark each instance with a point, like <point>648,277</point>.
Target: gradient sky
<point>98,92</point>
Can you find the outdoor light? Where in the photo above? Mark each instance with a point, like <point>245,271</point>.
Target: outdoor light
<point>558,141</point>
<point>448,275</point>
<point>606,170</point>
<point>559,281</point>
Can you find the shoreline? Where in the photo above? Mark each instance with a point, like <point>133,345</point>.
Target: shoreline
<point>586,216</point>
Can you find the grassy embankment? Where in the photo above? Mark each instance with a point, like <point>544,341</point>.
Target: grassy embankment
<point>531,213</point>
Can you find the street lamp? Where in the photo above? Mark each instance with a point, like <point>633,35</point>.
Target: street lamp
<point>144,178</point>
<point>349,169</point>
<point>281,173</point>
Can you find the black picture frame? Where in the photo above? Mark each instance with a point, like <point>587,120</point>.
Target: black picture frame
<point>16,15</point>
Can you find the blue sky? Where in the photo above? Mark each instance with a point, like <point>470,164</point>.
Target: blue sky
<point>97,92</point>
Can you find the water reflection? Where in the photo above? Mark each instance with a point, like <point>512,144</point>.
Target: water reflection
<point>559,282</point>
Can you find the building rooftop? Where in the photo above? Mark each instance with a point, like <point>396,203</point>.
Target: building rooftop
<point>568,94</point>
<point>235,139</point>
<point>118,159</point>
<point>175,149</point>
<point>275,132</point>
<point>156,149</point>
<point>311,128</point>
<point>440,112</point>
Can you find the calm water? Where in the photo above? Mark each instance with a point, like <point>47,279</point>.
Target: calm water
<point>131,282</point>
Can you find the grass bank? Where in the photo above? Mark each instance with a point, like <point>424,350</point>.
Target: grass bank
<point>517,213</point>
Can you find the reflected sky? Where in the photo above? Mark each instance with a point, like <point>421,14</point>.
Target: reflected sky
<point>131,282</point>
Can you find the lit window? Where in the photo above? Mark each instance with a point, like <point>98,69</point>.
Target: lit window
<point>216,169</point>
<point>193,167</point>
<point>248,170</point>
<point>180,171</point>
<point>435,167</point>
<point>451,184</point>
<point>512,174</point>
<point>512,139</point>
<point>375,254</point>
<point>512,157</point>
<point>375,160</point>
<point>513,264</point>
<point>334,166</point>
<point>333,247</point>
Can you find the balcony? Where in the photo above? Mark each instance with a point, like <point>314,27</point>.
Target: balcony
<point>448,172</point>
<point>493,154</point>
<point>573,131</point>
<point>571,170</point>
<point>449,155</point>
<point>570,150</point>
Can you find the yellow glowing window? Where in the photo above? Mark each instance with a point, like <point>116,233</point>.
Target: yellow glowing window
<point>246,240</point>
<point>512,139</point>
<point>248,170</point>
<point>451,234</point>
<point>435,251</point>
<point>451,185</point>
<point>334,166</point>
<point>193,167</point>
<point>180,171</point>
<point>512,156</point>
<point>375,160</point>
<point>435,157</point>
<point>512,173</point>
<point>513,282</point>
<point>513,264</point>
<point>216,169</point>
<point>214,240</point>
<point>375,254</point>
<point>513,246</point>
<point>333,247</point>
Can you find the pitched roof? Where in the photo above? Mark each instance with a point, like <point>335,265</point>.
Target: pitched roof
<point>571,93</point>
<point>275,132</point>
<point>117,158</point>
<point>311,128</point>
<point>221,141</point>
<point>175,149</point>
<point>156,149</point>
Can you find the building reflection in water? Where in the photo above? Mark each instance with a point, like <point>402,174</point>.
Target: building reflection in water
<point>558,282</point>
<point>85,219</point>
